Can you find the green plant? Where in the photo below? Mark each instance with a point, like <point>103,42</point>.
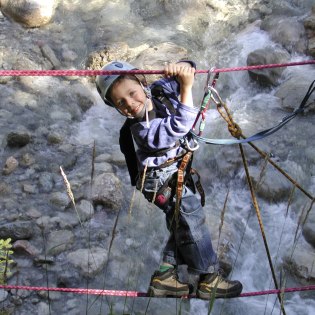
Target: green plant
<point>5,261</point>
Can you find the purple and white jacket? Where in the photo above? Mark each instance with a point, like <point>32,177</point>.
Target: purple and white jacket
<point>165,129</point>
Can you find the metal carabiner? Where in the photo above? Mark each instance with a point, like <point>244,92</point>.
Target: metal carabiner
<point>215,96</point>
<point>192,149</point>
<point>208,85</point>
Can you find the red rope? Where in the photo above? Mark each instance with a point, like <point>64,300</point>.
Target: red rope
<point>103,72</point>
<point>143,294</point>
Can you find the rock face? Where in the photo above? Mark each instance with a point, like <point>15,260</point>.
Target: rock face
<point>309,24</point>
<point>30,13</point>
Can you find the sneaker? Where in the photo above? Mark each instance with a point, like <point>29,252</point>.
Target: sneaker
<point>167,284</point>
<point>214,284</point>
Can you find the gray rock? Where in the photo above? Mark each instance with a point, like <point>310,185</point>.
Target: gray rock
<point>309,228</point>
<point>17,230</point>
<point>18,139</point>
<point>25,247</point>
<point>269,55</point>
<point>59,241</point>
<point>10,166</point>
<point>30,13</point>
<point>292,92</point>
<point>3,295</point>
<point>286,31</point>
<point>46,182</point>
<point>85,210</point>
<point>59,199</point>
<point>106,190</point>
<point>301,263</point>
<point>270,186</point>
<point>89,261</point>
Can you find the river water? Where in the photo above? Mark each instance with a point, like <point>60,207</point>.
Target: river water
<point>226,41</point>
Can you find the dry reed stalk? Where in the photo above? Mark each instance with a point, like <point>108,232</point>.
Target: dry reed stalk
<point>69,192</point>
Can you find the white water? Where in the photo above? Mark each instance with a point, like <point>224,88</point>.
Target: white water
<point>254,109</point>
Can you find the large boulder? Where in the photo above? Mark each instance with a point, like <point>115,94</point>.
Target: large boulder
<point>30,13</point>
<point>292,92</point>
<point>309,25</point>
<point>286,31</point>
<point>269,55</point>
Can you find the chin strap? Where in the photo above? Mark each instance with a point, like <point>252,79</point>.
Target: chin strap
<point>148,94</point>
<point>147,112</point>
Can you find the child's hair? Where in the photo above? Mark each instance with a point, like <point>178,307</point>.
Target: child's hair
<point>120,79</point>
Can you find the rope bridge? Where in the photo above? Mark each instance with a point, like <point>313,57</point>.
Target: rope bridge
<point>134,294</point>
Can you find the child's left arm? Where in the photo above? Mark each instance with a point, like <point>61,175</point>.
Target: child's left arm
<point>185,74</point>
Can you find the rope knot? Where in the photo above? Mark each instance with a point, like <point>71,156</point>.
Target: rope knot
<point>235,130</point>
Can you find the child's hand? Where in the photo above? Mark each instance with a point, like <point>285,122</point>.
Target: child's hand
<point>185,74</point>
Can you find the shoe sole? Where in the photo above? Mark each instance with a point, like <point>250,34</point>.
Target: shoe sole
<point>208,295</point>
<point>154,292</point>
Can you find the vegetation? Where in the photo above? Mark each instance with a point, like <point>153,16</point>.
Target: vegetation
<point>5,261</point>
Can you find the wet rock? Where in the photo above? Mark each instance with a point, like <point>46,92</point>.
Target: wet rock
<point>18,139</point>
<point>4,189</point>
<point>270,185</point>
<point>309,229</point>
<point>292,92</point>
<point>106,190</point>
<point>48,53</point>
<point>89,261</point>
<point>311,47</point>
<point>155,57</point>
<point>30,189</point>
<point>11,165</point>
<point>17,230</point>
<point>84,97</point>
<point>55,137</point>
<point>286,31</point>
<point>97,59</point>
<point>269,55</point>
<point>309,25</point>
<point>301,263</point>
<point>59,199</point>
<point>59,241</point>
<point>85,210</point>
<point>31,13</point>
<point>27,159</point>
<point>33,213</point>
<point>66,220</point>
<point>43,308</point>
<point>44,259</point>
<point>3,295</point>
<point>25,247</point>
<point>46,182</point>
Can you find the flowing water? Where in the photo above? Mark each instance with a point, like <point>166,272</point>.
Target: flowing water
<point>86,26</point>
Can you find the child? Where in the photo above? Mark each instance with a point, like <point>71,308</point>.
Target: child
<point>159,119</point>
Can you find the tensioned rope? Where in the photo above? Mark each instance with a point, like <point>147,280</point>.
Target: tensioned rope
<point>104,72</point>
<point>126,293</point>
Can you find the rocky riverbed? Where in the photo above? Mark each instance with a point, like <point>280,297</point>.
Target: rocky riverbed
<point>111,238</point>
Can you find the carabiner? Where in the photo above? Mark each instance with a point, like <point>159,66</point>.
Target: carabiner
<point>196,146</point>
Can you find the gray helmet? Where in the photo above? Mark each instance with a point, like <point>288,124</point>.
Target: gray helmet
<point>104,82</point>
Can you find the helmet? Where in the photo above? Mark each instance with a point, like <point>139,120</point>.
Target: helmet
<point>104,82</point>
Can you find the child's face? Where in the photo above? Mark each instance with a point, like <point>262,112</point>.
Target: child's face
<point>129,98</point>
